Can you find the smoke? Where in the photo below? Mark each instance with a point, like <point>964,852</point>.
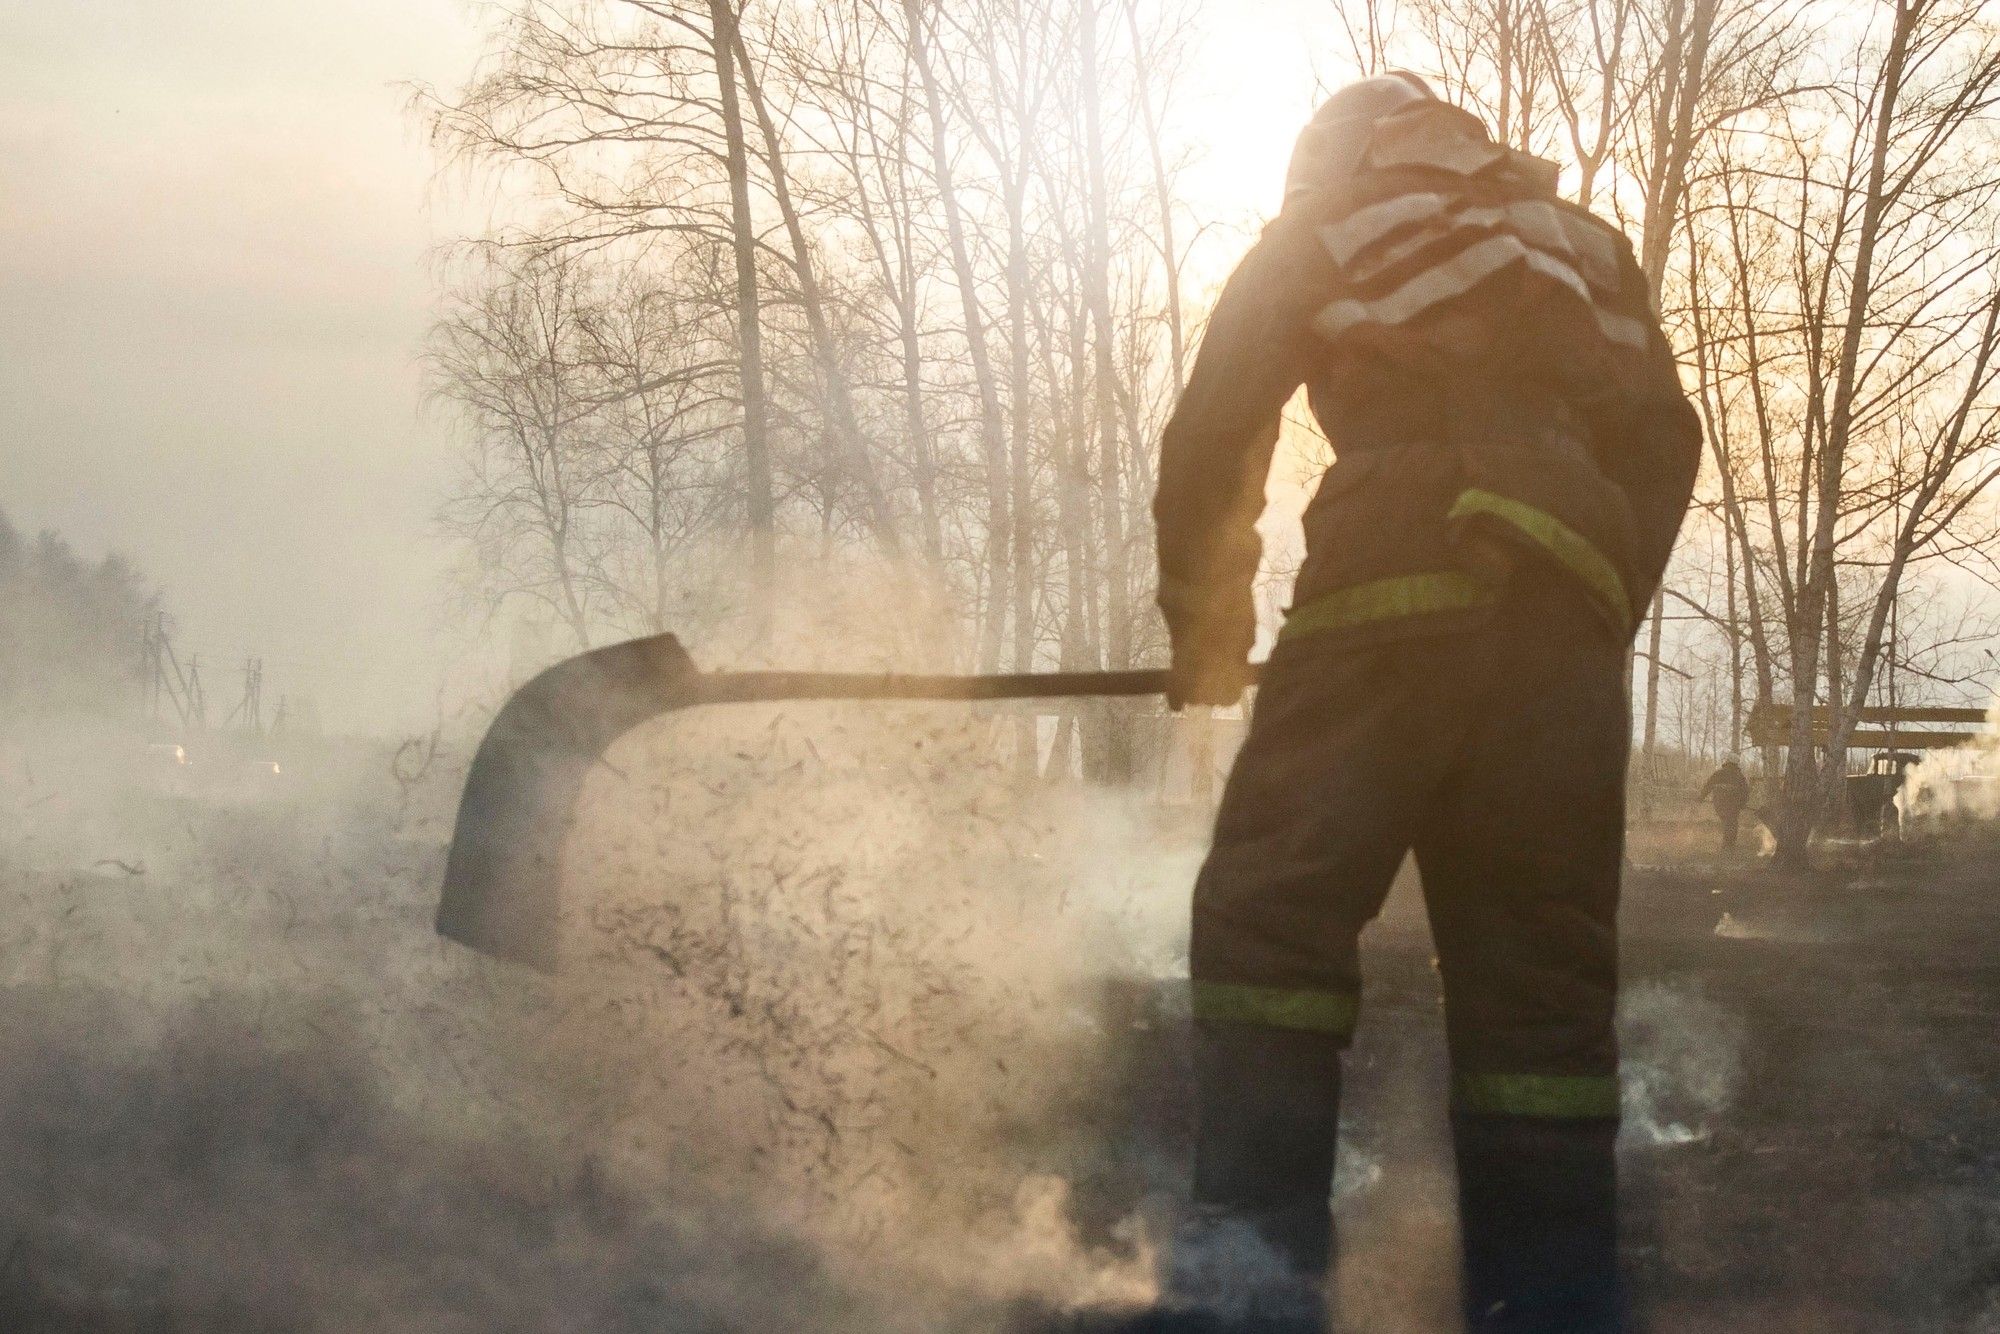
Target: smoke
<point>851,1006</point>
<point>863,1028</point>
<point>1682,1067</point>
<point>885,959</point>
<point>1949,787</point>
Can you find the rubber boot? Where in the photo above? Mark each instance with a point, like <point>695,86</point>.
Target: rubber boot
<point>1254,1249</point>
<point>1538,1213</point>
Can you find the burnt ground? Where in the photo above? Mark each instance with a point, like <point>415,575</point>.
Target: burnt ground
<point>241,1087</point>
<point>1853,1179</point>
<point>1813,1142</point>
<point>1812,1135</point>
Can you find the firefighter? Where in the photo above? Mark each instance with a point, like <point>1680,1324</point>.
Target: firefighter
<point>1729,792</point>
<point>1514,457</point>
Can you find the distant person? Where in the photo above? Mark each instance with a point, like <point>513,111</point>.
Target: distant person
<point>1729,792</point>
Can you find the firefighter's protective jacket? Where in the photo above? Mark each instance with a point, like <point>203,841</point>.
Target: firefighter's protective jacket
<point>1486,362</point>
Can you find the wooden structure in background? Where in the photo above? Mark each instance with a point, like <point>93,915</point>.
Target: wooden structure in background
<point>1906,727</point>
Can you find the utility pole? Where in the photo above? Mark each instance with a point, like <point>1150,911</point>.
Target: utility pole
<point>165,677</point>
<point>149,671</point>
<point>249,710</point>
<point>253,695</point>
<point>195,712</point>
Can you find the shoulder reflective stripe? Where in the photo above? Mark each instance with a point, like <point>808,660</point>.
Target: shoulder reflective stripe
<point>1537,222</point>
<point>1532,224</point>
<point>1276,1007</point>
<point>1397,250</point>
<point>1595,250</point>
<point>1441,282</point>
<point>1577,1096</point>
<point>1563,542</point>
<point>1559,271</point>
<point>1622,329</point>
<point>1373,239</point>
<point>1387,600</point>
<point>1456,276</point>
<point>1366,226</point>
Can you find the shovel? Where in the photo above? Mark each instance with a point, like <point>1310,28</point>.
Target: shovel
<point>501,879</point>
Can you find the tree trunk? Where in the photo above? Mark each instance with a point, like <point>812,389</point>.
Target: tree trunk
<point>760,500</point>
<point>1097,287</point>
<point>1735,643</point>
<point>1805,779</point>
<point>840,397</point>
<point>1170,258</point>
<point>1019,444</point>
<point>1655,617</point>
<point>990,435</point>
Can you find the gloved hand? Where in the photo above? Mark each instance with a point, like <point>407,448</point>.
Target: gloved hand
<point>1212,631</point>
<point>1211,656</point>
<point>1200,681</point>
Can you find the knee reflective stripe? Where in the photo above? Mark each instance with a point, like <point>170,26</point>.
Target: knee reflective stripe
<point>1276,1007</point>
<point>1566,1096</point>
<point>1387,600</point>
<point>1560,540</point>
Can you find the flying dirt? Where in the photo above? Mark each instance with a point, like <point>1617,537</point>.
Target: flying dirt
<point>1048,667</point>
<point>845,1004</point>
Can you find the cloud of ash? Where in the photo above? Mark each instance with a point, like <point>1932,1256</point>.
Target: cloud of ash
<point>862,1028</point>
<point>889,967</point>
<point>1682,1066</point>
<point>1948,787</point>
<point>855,1032</point>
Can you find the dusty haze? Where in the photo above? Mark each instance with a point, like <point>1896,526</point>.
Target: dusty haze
<point>217,227</point>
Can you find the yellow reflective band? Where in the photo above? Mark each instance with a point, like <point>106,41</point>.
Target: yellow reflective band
<point>1567,545</point>
<point>1572,1096</point>
<point>1276,1007</point>
<point>1387,600</point>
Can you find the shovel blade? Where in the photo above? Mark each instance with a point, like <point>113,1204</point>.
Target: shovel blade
<point>503,874</point>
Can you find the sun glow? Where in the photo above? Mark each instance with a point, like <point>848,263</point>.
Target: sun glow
<point>1254,82</point>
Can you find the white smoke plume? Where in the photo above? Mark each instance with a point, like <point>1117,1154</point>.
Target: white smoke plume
<point>1948,787</point>
<point>843,1045</point>
<point>861,1029</point>
<point>1683,1064</point>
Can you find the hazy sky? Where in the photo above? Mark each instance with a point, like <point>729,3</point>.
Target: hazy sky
<point>213,286</point>
<point>215,222</point>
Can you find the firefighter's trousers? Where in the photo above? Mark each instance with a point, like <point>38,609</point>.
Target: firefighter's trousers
<point>1497,755</point>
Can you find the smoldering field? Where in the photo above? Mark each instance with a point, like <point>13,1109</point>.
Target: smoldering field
<point>829,1052</point>
<point>859,1031</point>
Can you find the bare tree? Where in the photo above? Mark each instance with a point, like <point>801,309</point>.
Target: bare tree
<point>1841,270</point>
<point>506,352</point>
<point>905,283</point>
